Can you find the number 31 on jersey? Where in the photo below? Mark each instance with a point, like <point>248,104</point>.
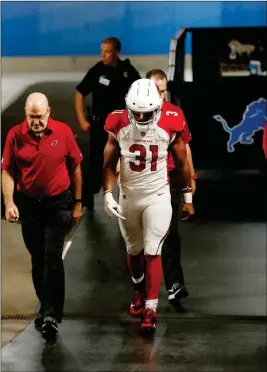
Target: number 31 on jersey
<point>142,157</point>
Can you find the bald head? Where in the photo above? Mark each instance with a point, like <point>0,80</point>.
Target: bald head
<point>37,112</point>
<point>36,101</point>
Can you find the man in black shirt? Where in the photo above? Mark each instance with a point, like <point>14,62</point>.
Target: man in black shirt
<point>108,81</point>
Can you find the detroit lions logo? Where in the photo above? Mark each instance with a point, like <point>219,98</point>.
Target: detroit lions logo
<point>253,120</point>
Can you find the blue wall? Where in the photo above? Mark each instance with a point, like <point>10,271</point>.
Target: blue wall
<point>76,28</point>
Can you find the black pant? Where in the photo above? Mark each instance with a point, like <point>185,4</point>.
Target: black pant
<point>171,251</point>
<point>44,226</point>
<point>93,174</point>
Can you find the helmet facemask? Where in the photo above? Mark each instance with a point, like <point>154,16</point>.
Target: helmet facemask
<point>144,120</point>
<point>143,103</point>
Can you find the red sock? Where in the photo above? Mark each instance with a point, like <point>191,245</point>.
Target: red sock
<point>136,265</point>
<point>153,276</point>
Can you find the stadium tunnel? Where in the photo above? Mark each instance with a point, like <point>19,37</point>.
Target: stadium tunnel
<point>222,325</point>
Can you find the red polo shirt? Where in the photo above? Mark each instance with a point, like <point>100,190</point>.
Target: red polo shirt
<point>186,135</point>
<point>41,167</point>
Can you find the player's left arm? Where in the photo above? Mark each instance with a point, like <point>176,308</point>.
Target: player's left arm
<point>187,137</point>
<point>179,154</point>
<point>178,150</point>
<point>191,166</point>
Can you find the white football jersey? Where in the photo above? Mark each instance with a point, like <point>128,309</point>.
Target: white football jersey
<point>143,162</point>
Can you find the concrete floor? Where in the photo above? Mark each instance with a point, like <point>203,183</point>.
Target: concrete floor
<point>18,296</point>
<point>222,328</point>
<point>12,328</point>
<point>223,325</point>
<point>18,299</point>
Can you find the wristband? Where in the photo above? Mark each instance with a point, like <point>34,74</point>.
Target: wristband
<point>194,176</point>
<point>187,188</point>
<point>108,197</point>
<point>188,197</point>
<point>78,200</point>
<point>105,192</point>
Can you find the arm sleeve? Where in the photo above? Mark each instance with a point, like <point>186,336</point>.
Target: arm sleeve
<point>86,86</point>
<point>75,156</point>
<point>186,135</point>
<point>8,158</point>
<point>111,124</point>
<point>179,123</point>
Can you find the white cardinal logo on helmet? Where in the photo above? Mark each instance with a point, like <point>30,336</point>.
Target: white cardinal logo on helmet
<point>143,103</point>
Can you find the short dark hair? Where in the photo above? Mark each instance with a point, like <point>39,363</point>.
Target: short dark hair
<point>157,74</point>
<point>114,42</point>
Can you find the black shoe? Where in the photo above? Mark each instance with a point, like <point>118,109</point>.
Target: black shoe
<point>49,327</point>
<point>39,320</point>
<point>177,292</point>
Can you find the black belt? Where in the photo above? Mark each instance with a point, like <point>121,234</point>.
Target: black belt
<point>45,198</point>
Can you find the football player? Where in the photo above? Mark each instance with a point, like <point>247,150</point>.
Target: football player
<point>141,136</point>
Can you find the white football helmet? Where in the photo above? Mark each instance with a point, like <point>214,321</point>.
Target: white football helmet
<point>143,103</point>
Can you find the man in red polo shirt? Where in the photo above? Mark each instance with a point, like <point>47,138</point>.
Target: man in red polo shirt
<point>171,252</point>
<point>42,159</point>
